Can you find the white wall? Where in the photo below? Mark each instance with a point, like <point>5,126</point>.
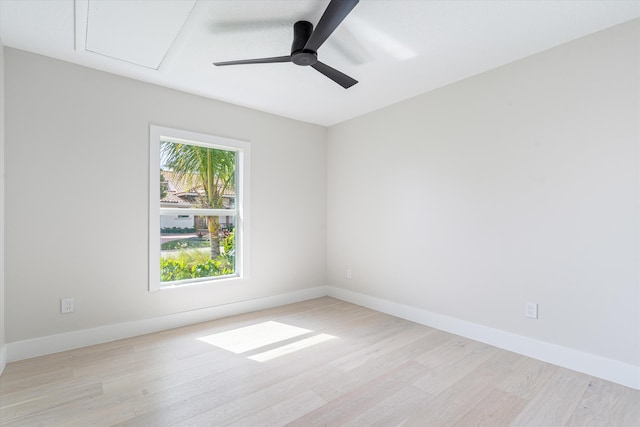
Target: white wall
<point>3,346</point>
<point>167,221</point>
<point>76,194</point>
<point>519,184</point>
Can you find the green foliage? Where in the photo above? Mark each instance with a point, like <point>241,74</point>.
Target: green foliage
<point>193,256</point>
<point>229,242</point>
<point>173,269</point>
<point>193,264</point>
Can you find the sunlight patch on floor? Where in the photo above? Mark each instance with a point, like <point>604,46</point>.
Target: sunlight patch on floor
<point>255,336</point>
<point>264,334</point>
<point>290,348</point>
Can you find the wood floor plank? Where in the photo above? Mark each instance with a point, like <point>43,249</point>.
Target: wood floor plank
<point>347,406</point>
<point>527,380</point>
<point>279,413</point>
<point>254,399</point>
<point>24,381</point>
<point>393,410</point>
<point>496,409</point>
<point>451,362</point>
<point>351,366</point>
<point>409,333</point>
<point>606,404</point>
<point>104,411</point>
<point>156,379</point>
<point>50,399</point>
<point>556,401</point>
<point>464,393</point>
<point>340,382</point>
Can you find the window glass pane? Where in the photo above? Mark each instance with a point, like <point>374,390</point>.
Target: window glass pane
<point>192,176</point>
<point>195,221</point>
<point>196,247</point>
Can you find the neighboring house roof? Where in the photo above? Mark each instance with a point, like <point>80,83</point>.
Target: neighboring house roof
<point>180,192</point>
<point>171,198</point>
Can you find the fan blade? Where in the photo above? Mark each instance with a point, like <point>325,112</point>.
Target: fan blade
<point>331,18</point>
<point>256,61</point>
<point>335,75</point>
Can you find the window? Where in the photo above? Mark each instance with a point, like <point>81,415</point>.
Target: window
<point>198,207</point>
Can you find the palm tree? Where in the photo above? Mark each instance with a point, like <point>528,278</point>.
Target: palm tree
<point>207,168</point>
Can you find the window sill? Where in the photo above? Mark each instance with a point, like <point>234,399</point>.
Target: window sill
<point>192,283</point>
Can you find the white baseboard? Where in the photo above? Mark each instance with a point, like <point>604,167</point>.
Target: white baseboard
<point>590,364</point>
<point>68,341</point>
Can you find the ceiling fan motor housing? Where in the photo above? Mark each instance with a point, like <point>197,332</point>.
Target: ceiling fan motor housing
<point>302,30</point>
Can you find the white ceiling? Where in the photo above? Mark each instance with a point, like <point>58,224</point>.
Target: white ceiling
<point>396,49</point>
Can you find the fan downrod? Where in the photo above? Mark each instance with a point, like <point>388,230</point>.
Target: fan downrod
<point>302,30</point>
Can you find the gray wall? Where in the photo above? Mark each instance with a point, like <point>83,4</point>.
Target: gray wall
<point>77,197</point>
<point>519,184</point>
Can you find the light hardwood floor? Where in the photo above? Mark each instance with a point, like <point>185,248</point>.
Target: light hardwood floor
<point>321,362</point>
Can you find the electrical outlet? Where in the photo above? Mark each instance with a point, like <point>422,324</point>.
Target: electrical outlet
<point>531,310</point>
<point>349,273</point>
<point>66,305</point>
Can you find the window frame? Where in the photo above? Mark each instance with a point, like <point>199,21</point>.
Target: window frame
<point>241,210</point>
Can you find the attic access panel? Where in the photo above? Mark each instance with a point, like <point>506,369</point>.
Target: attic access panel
<point>135,31</point>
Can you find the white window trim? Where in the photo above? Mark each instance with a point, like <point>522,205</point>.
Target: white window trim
<point>243,156</point>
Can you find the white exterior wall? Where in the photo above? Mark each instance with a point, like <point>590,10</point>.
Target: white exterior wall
<point>167,221</point>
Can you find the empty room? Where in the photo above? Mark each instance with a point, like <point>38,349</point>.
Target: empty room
<point>319,213</point>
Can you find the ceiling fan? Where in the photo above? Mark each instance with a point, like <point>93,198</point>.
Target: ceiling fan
<point>307,41</point>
